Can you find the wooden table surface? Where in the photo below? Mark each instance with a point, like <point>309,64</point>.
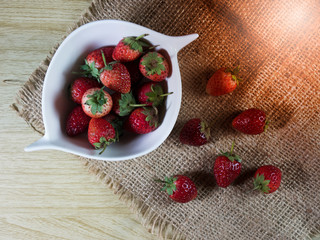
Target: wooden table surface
<point>47,194</point>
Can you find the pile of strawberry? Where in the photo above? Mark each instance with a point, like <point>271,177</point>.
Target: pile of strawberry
<point>226,166</point>
<point>133,72</point>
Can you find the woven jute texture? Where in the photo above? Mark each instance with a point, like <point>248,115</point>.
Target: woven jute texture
<point>276,44</point>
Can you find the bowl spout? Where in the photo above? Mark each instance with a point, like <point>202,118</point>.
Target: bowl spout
<point>42,144</point>
<point>180,42</point>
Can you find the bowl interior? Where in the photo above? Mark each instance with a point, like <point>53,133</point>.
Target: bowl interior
<point>70,55</point>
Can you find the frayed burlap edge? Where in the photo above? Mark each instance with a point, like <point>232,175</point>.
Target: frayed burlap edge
<point>147,217</point>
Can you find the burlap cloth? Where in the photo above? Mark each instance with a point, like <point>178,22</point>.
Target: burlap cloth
<point>277,46</point>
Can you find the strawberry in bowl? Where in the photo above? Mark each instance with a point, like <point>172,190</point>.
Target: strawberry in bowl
<point>56,104</point>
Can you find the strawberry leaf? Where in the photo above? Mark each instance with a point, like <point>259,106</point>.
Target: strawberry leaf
<point>89,70</point>
<point>127,99</point>
<point>151,115</point>
<point>136,43</point>
<point>96,101</point>
<point>153,63</point>
<point>261,184</point>
<point>169,185</point>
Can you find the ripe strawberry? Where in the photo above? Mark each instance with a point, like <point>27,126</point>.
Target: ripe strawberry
<point>124,103</point>
<point>223,81</point>
<point>143,120</point>
<point>252,121</point>
<point>154,66</point>
<point>116,77</point>
<point>180,188</point>
<point>79,86</point>
<point>129,48</point>
<point>267,179</point>
<point>77,122</point>
<point>151,94</point>
<point>94,61</point>
<point>195,132</point>
<point>101,133</point>
<point>227,168</point>
<point>96,102</point>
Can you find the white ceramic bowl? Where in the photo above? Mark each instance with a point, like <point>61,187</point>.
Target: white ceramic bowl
<point>69,56</point>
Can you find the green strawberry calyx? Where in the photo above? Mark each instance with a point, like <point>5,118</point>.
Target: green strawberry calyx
<point>153,63</point>
<point>103,143</point>
<point>156,96</point>
<point>230,155</point>
<point>169,184</point>
<point>89,70</point>
<point>205,129</point>
<point>127,103</point>
<point>136,43</point>
<point>261,184</point>
<point>234,74</point>
<point>151,115</point>
<point>266,126</point>
<point>96,101</point>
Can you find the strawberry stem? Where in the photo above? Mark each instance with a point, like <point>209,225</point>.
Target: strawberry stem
<point>232,147</point>
<point>141,36</point>
<point>166,94</point>
<point>137,105</point>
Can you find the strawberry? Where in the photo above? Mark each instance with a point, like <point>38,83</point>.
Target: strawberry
<point>77,122</point>
<point>101,133</point>
<point>227,168</point>
<point>154,66</point>
<point>96,102</point>
<point>124,103</point>
<point>267,179</point>
<point>142,120</point>
<point>79,86</point>
<point>179,188</point>
<point>116,77</point>
<point>151,94</point>
<point>129,48</point>
<point>195,132</point>
<point>223,81</point>
<point>252,121</point>
<point>94,61</point>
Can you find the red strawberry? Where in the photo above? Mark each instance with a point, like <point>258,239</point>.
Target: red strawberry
<point>151,94</point>
<point>252,121</point>
<point>227,168</point>
<point>195,132</point>
<point>143,120</point>
<point>101,133</point>
<point>223,81</point>
<point>94,61</point>
<point>96,102</point>
<point>180,188</point>
<point>129,48</point>
<point>79,86</point>
<point>116,77</point>
<point>77,122</point>
<point>124,103</point>
<point>267,179</point>
<point>154,66</point>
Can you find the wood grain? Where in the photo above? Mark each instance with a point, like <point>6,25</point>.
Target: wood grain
<point>47,194</point>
